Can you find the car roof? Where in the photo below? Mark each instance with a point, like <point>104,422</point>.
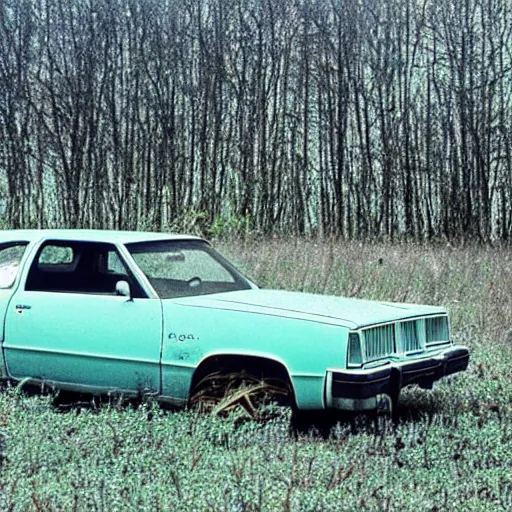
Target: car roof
<point>90,235</point>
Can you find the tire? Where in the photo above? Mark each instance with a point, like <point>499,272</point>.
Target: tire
<point>222,392</point>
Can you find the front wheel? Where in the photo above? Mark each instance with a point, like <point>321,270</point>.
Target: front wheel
<point>221,393</point>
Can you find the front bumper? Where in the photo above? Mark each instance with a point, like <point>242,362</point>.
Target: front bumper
<point>359,390</point>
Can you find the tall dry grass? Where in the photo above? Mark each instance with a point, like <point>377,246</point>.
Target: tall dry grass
<point>474,283</point>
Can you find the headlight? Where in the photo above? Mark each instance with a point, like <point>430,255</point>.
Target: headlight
<point>354,355</point>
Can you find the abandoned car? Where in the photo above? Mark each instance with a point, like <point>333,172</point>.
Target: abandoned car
<point>131,312</point>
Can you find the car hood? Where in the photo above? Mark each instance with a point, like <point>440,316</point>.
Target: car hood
<point>351,313</point>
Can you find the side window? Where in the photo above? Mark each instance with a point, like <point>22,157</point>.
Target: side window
<point>10,258</point>
<point>114,264</point>
<point>56,255</point>
<point>79,267</point>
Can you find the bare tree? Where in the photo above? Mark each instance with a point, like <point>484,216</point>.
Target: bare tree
<point>357,119</point>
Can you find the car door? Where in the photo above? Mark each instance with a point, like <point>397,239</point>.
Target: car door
<point>67,325</point>
<point>11,254</point>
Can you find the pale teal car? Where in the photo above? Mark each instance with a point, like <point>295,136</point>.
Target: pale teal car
<point>126,312</point>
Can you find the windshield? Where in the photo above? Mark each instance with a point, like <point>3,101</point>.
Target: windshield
<point>185,268</point>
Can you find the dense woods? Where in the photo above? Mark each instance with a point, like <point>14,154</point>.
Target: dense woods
<point>355,118</point>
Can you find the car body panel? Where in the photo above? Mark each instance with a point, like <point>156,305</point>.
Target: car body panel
<point>5,298</point>
<point>347,312</point>
<point>89,235</point>
<point>187,342</point>
<point>103,341</point>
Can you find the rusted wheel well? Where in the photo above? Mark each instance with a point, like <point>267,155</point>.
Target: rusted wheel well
<point>259,367</point>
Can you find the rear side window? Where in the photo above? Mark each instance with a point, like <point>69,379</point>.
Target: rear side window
<point>10,258</point>
<point>56,255</point>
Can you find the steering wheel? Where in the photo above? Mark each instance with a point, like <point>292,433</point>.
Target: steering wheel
<point>194,282</point>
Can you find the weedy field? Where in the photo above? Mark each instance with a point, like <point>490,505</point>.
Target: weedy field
<point>451,450</point>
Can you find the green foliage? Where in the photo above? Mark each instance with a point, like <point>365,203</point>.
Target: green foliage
<point>4,222</point>
<point>230,224</point>
<point>192,222</point>
<point>197,222</point>
<point>450,450</point>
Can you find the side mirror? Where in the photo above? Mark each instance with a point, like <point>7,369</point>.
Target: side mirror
<point>123,289</point>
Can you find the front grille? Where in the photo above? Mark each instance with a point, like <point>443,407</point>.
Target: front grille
<point>436,330</point>
<point>410,335</point>
<point>379,341</point>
